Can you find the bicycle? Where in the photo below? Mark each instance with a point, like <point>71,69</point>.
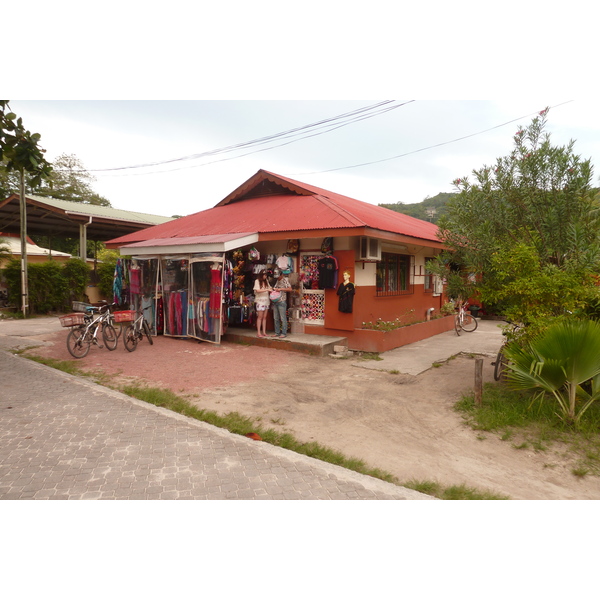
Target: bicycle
<point>464,321</point>
<point>136,331</point>
<point>501,362</point>
<point>85,328</point>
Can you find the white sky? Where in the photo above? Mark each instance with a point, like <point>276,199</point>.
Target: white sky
<point>111,134</point>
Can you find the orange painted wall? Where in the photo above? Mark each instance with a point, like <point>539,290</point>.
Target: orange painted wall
<point>379,341</point>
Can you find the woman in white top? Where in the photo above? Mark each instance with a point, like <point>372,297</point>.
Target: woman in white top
<point>261,299</point>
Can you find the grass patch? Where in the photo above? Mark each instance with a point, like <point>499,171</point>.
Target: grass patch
<point>70,367</point>
<point>453,492</point>
<point>370,356</point>
<point>67,366</point>
<point>242,425</point>
<point>536,425</point>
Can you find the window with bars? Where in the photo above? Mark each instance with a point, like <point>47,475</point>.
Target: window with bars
<point>394,274</point>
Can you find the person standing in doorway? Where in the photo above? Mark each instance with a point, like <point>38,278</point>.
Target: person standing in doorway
<point>261,299</point>
<point>284,286</point>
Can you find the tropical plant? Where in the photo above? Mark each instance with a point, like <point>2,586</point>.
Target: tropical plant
<point>563,361</point>
<point>524,234</point>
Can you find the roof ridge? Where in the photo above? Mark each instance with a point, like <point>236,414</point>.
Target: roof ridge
<point>340,210</point>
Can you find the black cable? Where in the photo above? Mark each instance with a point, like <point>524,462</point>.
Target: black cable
<point>422,149</point>
<point>349,117</point>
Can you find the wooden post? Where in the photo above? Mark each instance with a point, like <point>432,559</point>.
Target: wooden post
<point>478,380</point>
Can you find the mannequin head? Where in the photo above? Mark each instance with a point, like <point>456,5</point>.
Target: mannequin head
<point>346,276</point>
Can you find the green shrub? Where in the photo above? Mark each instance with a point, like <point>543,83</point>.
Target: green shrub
<point>77,276</point>
<point>106,270</point>
<point>52,285</point>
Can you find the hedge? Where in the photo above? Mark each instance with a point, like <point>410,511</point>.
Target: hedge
<point>53,286</point>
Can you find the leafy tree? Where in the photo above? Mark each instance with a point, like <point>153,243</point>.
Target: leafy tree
<point>20,148</point>
<point>526,231</point>
<point>71,181</point>
<point>9,181</point>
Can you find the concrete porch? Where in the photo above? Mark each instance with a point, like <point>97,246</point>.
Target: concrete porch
<point>313,345</point>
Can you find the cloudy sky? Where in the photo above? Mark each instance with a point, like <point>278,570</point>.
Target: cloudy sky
<point>159,156</point>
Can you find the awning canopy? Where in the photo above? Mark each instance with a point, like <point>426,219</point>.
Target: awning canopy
<point>190,245</point>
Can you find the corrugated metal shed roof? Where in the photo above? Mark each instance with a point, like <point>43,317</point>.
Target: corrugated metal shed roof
<point>62,218</point>
<point>284,206</point>
<point>100,211</point>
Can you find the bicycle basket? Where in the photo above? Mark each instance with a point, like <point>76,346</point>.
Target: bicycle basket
<point>72,319</point>
<point>123,316</point>
<point>80,306</point>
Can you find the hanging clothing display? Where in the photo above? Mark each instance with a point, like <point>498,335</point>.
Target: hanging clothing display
<point>215,293</point>
<point>135,280</point>
<point>327,267</point>
<point>118,282</point>
<point>346,293</point>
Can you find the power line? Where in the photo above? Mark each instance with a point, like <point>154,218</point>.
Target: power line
<point>329,124</point>
<point>423,149</point>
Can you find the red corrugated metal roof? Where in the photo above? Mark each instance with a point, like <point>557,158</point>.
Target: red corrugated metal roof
<point>297,207</point>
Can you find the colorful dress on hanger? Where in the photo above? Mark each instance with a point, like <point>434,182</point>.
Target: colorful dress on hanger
<point>215,294</point>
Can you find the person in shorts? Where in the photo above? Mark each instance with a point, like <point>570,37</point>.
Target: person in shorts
<point>261,300</point>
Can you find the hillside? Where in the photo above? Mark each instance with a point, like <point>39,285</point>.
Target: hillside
<point>430,209</point>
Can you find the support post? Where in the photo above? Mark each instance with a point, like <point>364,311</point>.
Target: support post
<point>23,215</point>
<point>478,381</point>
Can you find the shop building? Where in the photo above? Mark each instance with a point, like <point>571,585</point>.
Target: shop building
<point>350,264</point>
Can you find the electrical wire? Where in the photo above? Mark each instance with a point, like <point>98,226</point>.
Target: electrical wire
<point>423,149</point>
<point>298,133</point>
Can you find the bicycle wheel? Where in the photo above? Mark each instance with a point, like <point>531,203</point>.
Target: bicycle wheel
<point>146,329</point>
<point>469,323</point>
<point>130,338</point>
<point>457,324</point>
<point>78,342</point>
<point>117,326</point>
<point>500,365</point>
<point>109,336</point>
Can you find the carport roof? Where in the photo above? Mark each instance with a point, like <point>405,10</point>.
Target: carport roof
<point>62,218</point>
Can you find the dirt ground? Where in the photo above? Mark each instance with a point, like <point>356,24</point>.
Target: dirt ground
<point>400,423</point>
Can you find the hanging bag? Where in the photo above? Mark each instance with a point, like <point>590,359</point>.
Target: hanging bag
<point>327,245</point>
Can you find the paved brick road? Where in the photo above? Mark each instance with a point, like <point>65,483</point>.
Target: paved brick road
<point>62,437</point>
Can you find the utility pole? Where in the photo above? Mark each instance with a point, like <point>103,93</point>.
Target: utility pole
<point>24,281</point>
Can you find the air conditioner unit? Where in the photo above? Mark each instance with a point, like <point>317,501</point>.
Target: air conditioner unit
<point>370,249</point>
